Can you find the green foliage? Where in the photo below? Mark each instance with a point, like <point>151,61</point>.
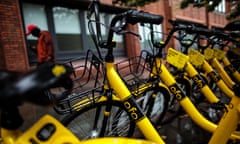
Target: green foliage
<point>234,13</point>
<point>133,3</point>
<point>184,4</point>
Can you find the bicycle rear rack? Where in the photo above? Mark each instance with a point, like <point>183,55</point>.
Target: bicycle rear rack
<point>88,79</point>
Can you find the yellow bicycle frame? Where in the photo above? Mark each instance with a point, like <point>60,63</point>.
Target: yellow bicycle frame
<point>204,89</point>
<point>185,102</point>
<point>228,66</point>
<point>60,135</point>
<point>228,123</point>
<point>220,83</point>
<point>125,95</point>
<point>226,78</point>
<point>199,60</point>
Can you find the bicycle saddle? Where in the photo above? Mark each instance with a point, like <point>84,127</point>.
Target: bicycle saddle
<point>33,86</point>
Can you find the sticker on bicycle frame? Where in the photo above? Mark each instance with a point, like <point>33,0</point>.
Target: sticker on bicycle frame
<point>195,57</point>
<point>208,53</point>
<point>133,109</point>
<point>197,79</point>
<point>177,91</point>
<point>219,54</point>
<point>176,58</point>
<point>213,75</point>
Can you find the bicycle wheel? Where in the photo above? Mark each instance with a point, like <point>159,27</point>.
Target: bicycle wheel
<point>88,122</point>
<point>154,103</point>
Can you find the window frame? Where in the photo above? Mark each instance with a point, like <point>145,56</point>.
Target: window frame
<point>72,4</point>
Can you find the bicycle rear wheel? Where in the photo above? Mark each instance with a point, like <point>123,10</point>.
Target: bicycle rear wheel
<point>88,122</point>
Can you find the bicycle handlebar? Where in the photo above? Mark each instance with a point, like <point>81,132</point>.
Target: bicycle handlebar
<point>192,28</point>
<point>134,16</point>
<point>32,86</point>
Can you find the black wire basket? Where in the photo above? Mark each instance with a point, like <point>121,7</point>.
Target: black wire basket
<point>135,71</point>
<point>88,80</point>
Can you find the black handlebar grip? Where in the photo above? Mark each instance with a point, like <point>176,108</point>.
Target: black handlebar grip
<point>202,31</point>
<point>134,16</point>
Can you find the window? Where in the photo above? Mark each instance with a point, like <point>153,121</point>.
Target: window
<point>67,29</point>
<point>145,33</point>
<point>186,39</point>
<point>117,38</point>
<point>34,14</point>
<point>105,20</point>
<point>103,29</point>
<point>221,7</point>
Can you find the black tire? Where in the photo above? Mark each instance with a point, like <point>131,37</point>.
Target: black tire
<point>81,122</point>
<point>154,103</point>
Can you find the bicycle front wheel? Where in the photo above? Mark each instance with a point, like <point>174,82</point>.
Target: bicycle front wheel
<point>154,103</point>
<point>88,122</point>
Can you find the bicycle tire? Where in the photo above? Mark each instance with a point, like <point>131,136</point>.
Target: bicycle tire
<point>155,103</point>
<point>81,122</point>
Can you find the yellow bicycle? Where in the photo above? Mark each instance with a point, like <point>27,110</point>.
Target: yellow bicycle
<point>31,87</point>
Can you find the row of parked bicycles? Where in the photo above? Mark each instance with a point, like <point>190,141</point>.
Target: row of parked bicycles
<point>105,101</point>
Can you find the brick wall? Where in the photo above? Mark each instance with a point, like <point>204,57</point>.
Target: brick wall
<point>133,43</point>
<point>13,54</point>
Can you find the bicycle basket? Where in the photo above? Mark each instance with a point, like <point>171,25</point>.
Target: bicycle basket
<point>88,79</point>
<point>135,70</point>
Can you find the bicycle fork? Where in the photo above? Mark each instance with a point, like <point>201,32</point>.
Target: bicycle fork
<point>106,112</point>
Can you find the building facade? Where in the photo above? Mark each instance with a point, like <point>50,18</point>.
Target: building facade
<point>67,22</point>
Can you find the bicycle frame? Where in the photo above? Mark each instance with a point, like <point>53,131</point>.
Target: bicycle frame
<point>220,83</point>
<point>161,70</point>
<point>228,66</point>
<point>201,62</point>
<point>228,123</point>
<point>113,81</point>
<point>216,64</point>
<point>48,130</point>
<point>190,108</point>
<point>130,104</point>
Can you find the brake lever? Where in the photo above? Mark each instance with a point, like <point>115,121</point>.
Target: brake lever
<point>122,32</point>
<point>133,33</point>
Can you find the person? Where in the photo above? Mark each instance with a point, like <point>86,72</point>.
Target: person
<point>45,47</point>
